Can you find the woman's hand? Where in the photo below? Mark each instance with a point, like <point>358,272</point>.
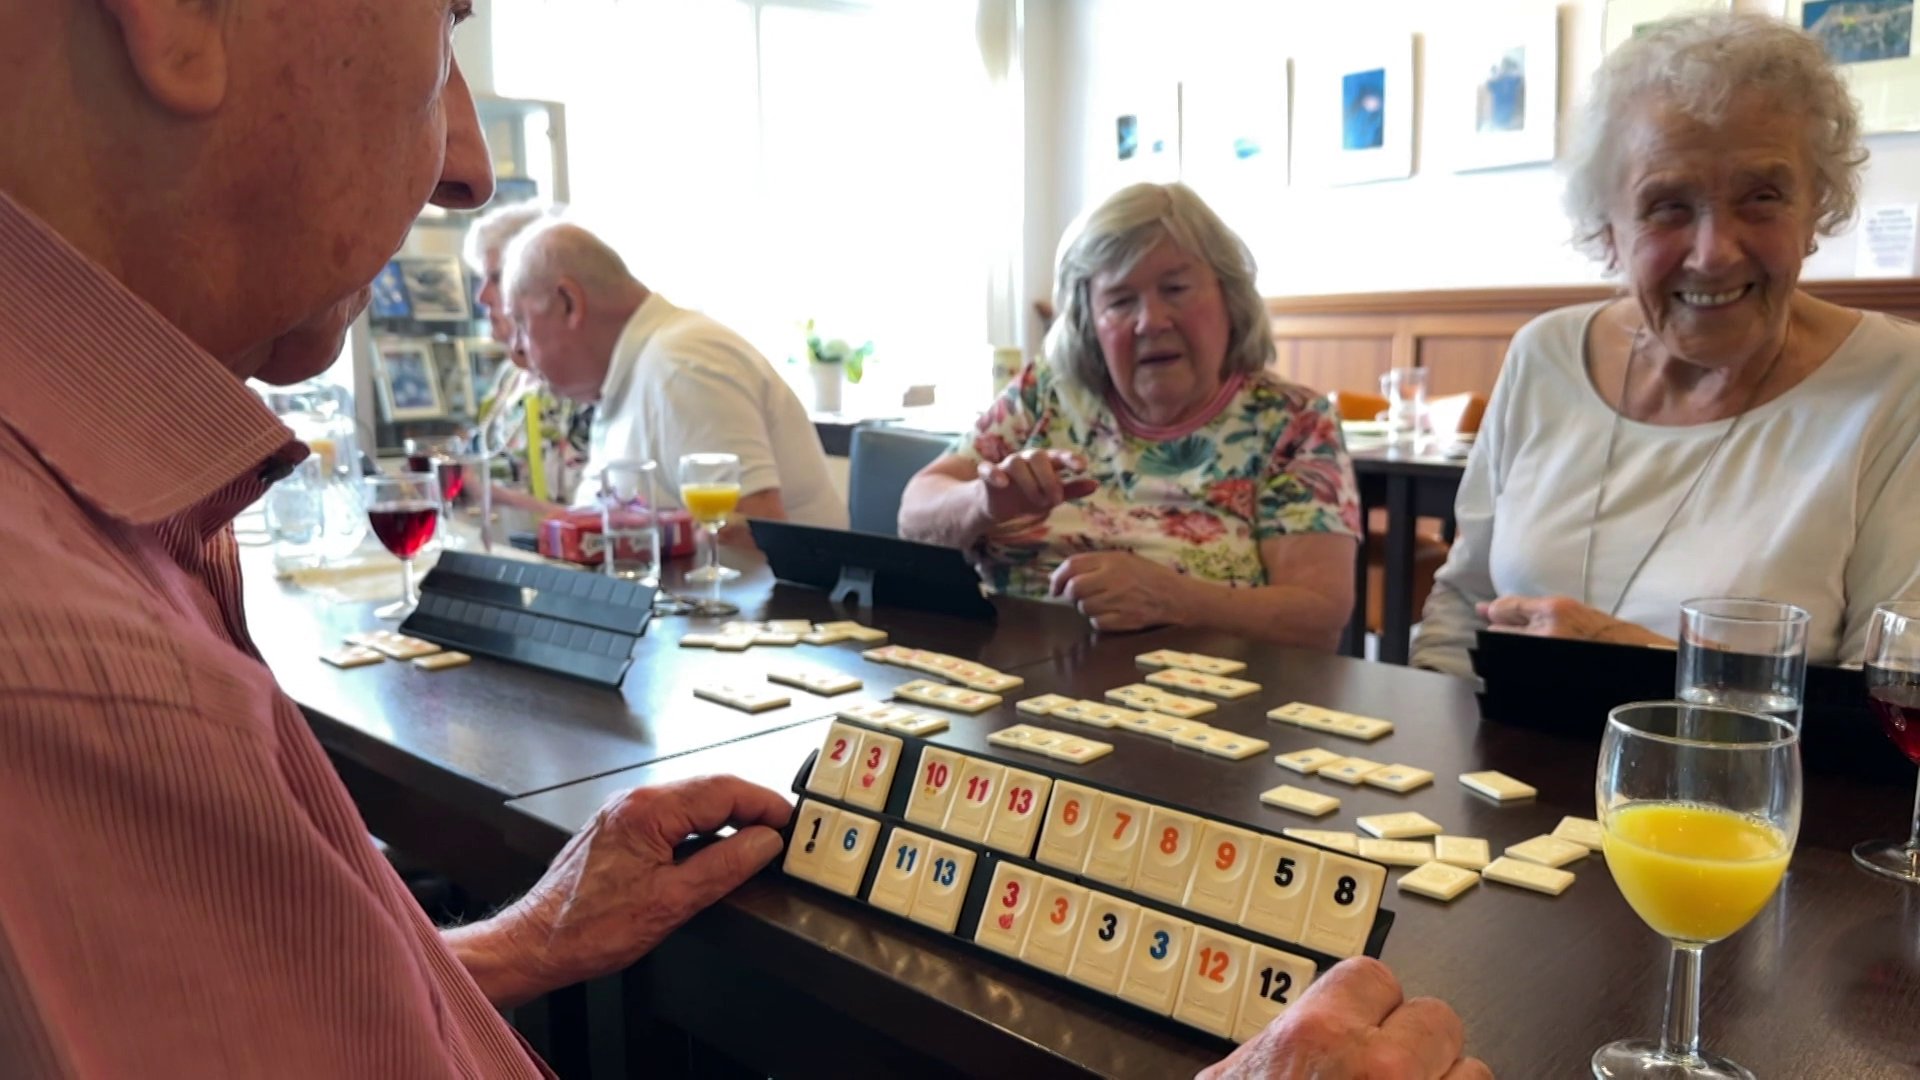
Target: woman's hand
<point>1030,484</point>
<point>1563,617</point>
<point>1118,590</point>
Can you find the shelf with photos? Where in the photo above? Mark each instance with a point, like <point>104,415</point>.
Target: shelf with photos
<point>433,363</point>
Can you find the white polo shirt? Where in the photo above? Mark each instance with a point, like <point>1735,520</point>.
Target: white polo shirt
<point>681,383</point>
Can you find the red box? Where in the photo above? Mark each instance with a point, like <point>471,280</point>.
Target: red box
<point>574,535</point>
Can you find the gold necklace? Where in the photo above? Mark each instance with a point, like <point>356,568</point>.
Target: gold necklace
<point>1606,469</point>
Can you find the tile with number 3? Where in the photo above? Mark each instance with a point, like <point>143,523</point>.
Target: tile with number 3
<point>1100,958</point>
<point>1008,913</point>
<point>1056,926</point>
<point>1156,961</point>
<point>872,775</point>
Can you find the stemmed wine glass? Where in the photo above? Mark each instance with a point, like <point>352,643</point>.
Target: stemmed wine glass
<point>1699,807</point>
<point>1893,687</point>
<point>402,510</point>
<point>710,490</point>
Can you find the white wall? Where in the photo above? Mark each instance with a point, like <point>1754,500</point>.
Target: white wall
<point>1435,230</point>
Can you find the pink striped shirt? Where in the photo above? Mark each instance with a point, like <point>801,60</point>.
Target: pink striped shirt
<point>185,887</point>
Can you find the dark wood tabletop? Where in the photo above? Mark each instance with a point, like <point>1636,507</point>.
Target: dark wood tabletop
<point>1390,461</point>
<point>1826,982</point>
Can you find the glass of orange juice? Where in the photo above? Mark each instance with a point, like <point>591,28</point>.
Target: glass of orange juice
<point>1699,808</point>
<point>710,490</point>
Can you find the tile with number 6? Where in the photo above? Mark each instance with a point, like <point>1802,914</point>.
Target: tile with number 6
<point>937,901</point>
<point>1008,914</point>
<point>902,865</point>
<point>1211,989</point>
<point>1068,830</point>
<point>1100,958</point>
<point>872,775</point>
<point>973,801</point>
<point>1345,900</point>
<point>1275,980</point>
<point>1056,925</point>
<point>1017,812</point>
<point>1156,961</point>
<point>837,755</point>
<point>844,865</point>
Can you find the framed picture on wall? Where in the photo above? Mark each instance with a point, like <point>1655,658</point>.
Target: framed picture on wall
<point>436,287</point>
<point>1234,139</point>
<point>389,299</point>
<point>1494,92</point>
<point>1872,42</point>
<point>1146,135</point>
<point>1627,18</point>
<point>451,359</point>
<point>1353,114</point>
<point>409,383</point>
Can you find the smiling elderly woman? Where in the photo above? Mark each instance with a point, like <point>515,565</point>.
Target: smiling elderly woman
<point>1716,431</point>
<point>1150,469</point>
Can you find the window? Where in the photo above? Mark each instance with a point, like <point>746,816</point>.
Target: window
<point>770,162</point>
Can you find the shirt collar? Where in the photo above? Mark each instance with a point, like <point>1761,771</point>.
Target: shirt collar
<point>128,411</point>
<point>646,320</point>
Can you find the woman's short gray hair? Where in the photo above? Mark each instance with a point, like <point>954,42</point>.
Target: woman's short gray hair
<point>1112,237</point>
<point>496,228</point>
<point>1698,64</point>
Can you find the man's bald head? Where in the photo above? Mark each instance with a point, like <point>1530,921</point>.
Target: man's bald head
<point>246,168</point>
<point>568,295</point>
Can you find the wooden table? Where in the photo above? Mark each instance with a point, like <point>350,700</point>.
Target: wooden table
<point>1825,983</point>
<point>1411,486</point>
<point>492,767</point>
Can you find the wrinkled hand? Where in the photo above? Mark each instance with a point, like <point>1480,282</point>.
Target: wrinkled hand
<point>1120,591</point>
<point>615,892</point>
<point>1030,483</point>
<point>1352,1024</point>
<point>1561,617</point>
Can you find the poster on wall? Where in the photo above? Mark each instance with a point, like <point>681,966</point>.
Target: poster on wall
<point>1872,42</point>
<point>1353,116</point>
<point>1145,136</point>
<point>1631,18</point>
<point>1493,98</point>
<point>1233,140</point>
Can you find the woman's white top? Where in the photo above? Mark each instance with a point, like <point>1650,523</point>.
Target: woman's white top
<point>1814,500</point>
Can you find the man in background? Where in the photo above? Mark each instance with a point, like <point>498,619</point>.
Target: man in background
<point>665,381</point>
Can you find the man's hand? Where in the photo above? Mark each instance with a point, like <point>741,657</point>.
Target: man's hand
<point>615,892</point>
<point>1563,617</point>
<point>1353,1024</point>
<point>1119,591</point>
<point>1029,484</point>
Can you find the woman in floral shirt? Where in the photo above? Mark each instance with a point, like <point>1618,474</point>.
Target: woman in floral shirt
<point>1151,469</point>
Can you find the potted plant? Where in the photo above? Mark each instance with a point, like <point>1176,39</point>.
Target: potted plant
<point>833,363</point>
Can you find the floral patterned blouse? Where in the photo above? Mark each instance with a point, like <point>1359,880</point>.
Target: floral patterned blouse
<point>1265,460</point>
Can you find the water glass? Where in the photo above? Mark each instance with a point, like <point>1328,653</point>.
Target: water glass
<point>1699,810</point>
<point>628,532</point>
<point>1406,392</point>
<point>1743,654</point>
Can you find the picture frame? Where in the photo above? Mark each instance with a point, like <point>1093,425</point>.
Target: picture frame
<point>436,288</point>
<point>1871,41</point>
<point>1624,18</point>
<point>1145,136</point>
<point>1353,117</point>
<point>389,299</point>
<point>409,383</point>
<point>1236,139</point>
<point>1494,91</point>
<point>456,375</point>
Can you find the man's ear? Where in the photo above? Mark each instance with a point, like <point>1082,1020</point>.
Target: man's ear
<point>573,301</point>
<point>178,49</point>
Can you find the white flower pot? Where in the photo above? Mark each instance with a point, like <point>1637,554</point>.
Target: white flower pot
<point>828,379</point>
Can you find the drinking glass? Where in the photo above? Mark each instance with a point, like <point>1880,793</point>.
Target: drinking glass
<point>1893,687</point>
<point>1699,807</point>
<point>710,489</point>
<point>402,510</point>
<point>628,532</point>
<point>452,471</point>
<point>1744,654</point>
<point>1406,392</point>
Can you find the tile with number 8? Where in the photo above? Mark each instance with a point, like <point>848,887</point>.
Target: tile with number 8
<point>1166,864</point>
<point>1346,897</point>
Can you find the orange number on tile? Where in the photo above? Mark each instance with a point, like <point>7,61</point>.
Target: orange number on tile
<point>1071,815</point>
<point>1209,969</point>
<point>1170,840</point>
<point>1059,915</point>
<point>1223,858</point>
<point>1126,819</point>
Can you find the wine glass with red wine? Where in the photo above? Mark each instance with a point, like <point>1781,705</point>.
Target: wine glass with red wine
<point>1893,687</point>
<point>403,510</point>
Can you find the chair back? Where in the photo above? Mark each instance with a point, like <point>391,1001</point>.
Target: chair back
<point>880,463</point>
<point>1352,405</point>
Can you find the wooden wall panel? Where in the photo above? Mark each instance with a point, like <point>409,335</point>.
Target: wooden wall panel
<point>1347,341</point>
